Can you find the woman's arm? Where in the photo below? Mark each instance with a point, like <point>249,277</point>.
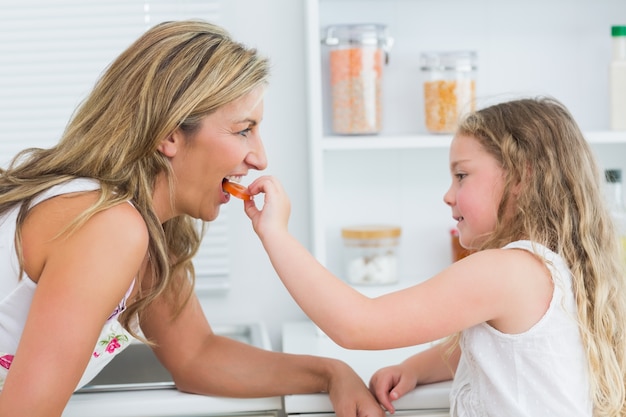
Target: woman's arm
<point>80,280</point>
<point>204,363</point>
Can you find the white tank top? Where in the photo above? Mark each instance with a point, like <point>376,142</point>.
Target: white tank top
<point>541,372</point>
<point>16,295</point>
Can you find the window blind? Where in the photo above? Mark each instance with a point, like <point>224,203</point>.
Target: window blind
<point>51,54</point>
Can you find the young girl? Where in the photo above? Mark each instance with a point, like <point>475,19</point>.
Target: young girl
<point>540,307</point>
<point>97,233</point>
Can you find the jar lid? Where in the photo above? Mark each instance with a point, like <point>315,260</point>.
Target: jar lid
<point>370,232</point>
<point>359,34</point>
<point>448,60</point>
<point>618,30</point>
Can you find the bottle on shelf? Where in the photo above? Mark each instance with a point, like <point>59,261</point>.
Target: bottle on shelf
<point>617,80</point>
<point>615,198</point>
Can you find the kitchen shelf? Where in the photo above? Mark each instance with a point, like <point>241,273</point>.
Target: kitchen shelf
<point>385,142</point>
<point>435,141</point>
<point>400,175</point>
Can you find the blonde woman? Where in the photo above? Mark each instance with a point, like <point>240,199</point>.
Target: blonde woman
<point>96,234</point>
<point>540,307</point>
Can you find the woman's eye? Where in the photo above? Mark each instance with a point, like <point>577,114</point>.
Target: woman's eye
<point>245,132</point>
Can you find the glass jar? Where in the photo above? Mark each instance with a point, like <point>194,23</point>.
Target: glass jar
<point>371,256</point>
<point>449,88</point>
<point>357,55</point>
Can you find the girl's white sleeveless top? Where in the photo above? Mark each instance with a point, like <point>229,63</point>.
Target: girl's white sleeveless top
<point>16,295</point>
<point>541,372</point>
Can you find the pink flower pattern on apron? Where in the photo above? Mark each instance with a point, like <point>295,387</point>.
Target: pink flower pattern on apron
<point>110,344</point>
<point>5,361</point>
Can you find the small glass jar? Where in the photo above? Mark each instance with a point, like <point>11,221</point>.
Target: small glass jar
<point>449,88</point>
<point>357,55</point>
<point>371,256</point>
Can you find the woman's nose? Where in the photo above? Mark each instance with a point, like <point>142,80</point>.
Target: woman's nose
<point>257,158</point>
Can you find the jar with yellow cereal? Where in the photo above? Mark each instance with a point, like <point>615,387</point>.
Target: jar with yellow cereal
<point>357,54</point>
<point>449,88</point>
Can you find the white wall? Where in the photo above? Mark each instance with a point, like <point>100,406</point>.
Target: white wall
<point>276,28</point>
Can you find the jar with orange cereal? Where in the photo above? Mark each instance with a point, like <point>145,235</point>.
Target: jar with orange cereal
<point>449,88</point>
<point>357,54</point>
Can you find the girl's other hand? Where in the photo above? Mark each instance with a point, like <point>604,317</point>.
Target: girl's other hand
<point>390,383</point>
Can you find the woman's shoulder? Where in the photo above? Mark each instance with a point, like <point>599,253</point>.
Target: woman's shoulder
<point>59,210</point>
<point>114,230</point>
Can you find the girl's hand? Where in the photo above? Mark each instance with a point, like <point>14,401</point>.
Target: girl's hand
<point>274,215</point>
<point>390,383</point>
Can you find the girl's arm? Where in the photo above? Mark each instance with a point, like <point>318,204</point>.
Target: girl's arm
<point>436,364</point>
<point>80,280</point>
<point>510,289</point>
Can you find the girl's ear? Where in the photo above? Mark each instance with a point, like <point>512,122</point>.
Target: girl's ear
<point>169,146</point>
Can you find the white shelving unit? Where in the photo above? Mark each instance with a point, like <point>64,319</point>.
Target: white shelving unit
<point>400,176</point>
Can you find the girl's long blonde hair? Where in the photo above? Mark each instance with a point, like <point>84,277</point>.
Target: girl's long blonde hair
<point>170,78</point>
<point>561,206</point>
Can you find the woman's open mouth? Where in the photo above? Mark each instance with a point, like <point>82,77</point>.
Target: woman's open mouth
<point>231,186</point>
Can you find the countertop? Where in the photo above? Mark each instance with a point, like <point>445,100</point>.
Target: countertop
<point>305,338</point>
<point>162,403</point>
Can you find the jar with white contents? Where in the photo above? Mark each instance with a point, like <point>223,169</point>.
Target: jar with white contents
<point>371,254</point>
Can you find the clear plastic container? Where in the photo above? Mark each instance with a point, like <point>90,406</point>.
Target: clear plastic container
<point>371,254</point>
<point>615,199</point>
<point>449,88</point>
<point>357,55</point>
<point>617,79</point>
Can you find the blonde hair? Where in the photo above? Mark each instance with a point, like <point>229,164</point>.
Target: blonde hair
<point>169,78</point>
<point>540,146</point>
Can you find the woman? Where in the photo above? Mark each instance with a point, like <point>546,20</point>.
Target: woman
<point>98,234</point>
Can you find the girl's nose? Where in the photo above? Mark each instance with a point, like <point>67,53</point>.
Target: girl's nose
<point>448,197</point>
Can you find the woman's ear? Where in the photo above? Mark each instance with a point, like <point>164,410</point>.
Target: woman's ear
<point>169,146</point>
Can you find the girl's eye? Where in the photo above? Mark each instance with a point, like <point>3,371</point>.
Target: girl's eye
<point>460,176</point>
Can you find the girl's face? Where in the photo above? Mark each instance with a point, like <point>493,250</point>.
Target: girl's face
<point>476,190</point>
<point>227,144</point>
